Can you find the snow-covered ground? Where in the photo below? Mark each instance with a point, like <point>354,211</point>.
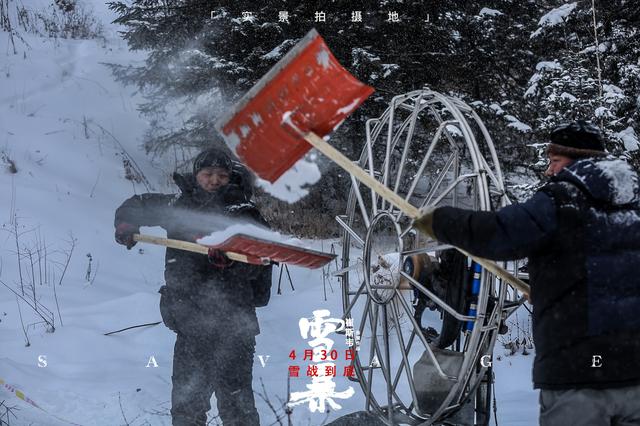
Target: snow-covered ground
<point>67,126</point>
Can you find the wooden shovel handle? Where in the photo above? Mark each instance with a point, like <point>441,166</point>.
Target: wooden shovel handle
<point>411,211</point>
<point>364,177</point>
<point>193,247</point>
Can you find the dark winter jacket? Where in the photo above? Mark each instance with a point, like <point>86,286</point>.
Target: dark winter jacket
<point>581,233</point>
<point>198,298</point>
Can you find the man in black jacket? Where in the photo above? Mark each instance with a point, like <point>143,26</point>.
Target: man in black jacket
<point>208,301</point>
<point>581,233</point>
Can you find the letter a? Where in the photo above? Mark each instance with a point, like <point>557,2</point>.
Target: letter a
<point>152,360</point>
<point>375,362</point>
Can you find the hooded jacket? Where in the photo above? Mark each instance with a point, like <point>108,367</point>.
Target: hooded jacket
<point>581,233</point>
<point>198,298</point>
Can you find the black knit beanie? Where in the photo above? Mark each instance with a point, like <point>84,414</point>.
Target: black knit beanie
<point>578,139</point>
<point>212,158</point>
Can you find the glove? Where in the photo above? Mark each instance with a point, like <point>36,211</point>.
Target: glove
<point>124,234</point>
<point>424,223</point>
<point>218,259</point>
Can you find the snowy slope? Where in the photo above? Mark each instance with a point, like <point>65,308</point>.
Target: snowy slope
<point>67,125</point>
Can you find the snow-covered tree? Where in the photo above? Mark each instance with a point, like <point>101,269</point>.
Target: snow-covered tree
<point>576,78</point>
<point>524,66</point>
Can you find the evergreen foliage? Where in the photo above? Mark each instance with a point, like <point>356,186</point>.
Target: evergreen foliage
<point>525,66</point>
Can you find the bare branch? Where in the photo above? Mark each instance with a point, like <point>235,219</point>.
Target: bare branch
<point>265,398</point>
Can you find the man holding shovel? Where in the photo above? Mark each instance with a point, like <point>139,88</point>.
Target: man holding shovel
<point>208,301</point>
<point>581,233</point>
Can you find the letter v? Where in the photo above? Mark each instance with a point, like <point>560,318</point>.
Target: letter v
<point>262,360</point>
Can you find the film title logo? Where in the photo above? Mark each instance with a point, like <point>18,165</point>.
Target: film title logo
<point>322,390</point>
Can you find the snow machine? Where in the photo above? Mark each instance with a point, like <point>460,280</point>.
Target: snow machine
<point>426,317</point>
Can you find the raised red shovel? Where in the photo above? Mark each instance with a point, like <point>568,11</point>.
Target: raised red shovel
<point>298,102</point>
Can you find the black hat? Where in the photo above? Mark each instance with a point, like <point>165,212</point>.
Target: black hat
<point>212,158</point>
<point>578,139</point>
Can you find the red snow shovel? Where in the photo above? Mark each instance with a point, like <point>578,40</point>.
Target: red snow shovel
<point>248,249</point>
<point>300,100</point>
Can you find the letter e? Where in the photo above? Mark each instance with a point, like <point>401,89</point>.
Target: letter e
<point>596,361</point>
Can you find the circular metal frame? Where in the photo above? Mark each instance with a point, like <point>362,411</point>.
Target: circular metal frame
<point>433,150</point>
<point>378,291</point>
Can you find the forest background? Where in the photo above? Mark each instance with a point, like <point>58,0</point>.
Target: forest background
<point>524,66</point>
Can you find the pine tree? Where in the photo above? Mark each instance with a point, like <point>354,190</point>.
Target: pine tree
<point>573,88</point>
<point>523,77</point>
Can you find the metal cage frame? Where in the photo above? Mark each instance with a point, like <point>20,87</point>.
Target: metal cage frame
<point>473,162</point>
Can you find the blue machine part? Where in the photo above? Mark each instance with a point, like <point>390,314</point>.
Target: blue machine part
<point>475,290</point>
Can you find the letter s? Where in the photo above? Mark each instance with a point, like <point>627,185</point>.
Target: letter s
<point>42,361</point>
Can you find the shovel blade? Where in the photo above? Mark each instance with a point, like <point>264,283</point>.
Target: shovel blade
<point>306,91</point>
<point>278,252</point>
